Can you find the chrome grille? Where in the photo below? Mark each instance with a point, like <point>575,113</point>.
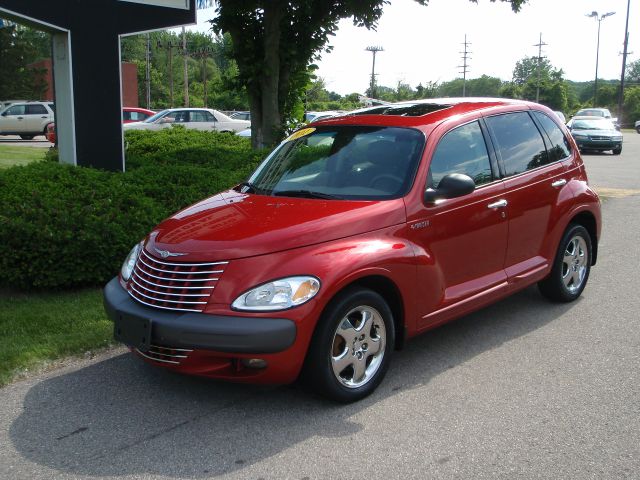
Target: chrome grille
<point>171,355</point>
<point>173,286</point>
<point>599,137</point>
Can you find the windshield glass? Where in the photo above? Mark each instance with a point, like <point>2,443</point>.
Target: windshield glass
<point>155,117</point>
<point>341,162</point>
<point>592,125</point>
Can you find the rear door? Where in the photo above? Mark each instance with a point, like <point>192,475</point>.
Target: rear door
<point>534,177</point>
<point>37,117</point>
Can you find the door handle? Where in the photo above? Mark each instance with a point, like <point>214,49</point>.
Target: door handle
<point>44,116</point>
<point>499,204</point>
<point>559,183</point>
<point>20,118</point>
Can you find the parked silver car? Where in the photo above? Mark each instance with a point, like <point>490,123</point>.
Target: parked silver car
<point>27,119</point>
<point>196,118</point>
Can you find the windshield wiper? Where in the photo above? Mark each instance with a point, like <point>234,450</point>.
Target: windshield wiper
<point>248,187</point>
<point>304,194</point>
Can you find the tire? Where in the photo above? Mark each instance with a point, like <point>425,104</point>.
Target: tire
<point>617,151</point>
<point>571,266</point>
<point>351,347</point>
<point>638,129</point>
<point>27,137</point>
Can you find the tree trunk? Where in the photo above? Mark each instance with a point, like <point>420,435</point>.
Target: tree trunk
<point>270,124</point>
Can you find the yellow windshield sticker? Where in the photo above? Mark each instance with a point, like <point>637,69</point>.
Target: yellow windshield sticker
<point>299,134</point>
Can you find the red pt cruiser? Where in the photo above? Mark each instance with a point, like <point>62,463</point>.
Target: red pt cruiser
<point>357,233</point>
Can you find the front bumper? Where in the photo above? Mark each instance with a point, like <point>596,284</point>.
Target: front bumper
<point>599,144</point>
<point>141,327</point>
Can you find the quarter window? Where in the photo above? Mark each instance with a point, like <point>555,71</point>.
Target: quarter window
<point>519,142</point>
<point>462,150</point>
<point>559,144</point>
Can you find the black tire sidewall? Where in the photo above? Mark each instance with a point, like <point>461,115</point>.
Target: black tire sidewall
<point>556,288</point>
<point>318,371</point>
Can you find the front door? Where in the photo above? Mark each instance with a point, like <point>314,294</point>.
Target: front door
<point>463,240</point>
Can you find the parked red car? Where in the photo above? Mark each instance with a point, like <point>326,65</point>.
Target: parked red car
<point>129,115</point>
<point>356,234</point>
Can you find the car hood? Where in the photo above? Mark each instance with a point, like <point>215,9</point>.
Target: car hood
<point>597,133</point>
<point>232,225</point>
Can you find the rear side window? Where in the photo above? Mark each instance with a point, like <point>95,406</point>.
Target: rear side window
<point>519,142</point>
<point>559,143</point>
<point>462,150</point>
<point>37,110</point>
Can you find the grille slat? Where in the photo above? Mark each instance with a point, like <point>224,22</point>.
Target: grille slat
<point>170,355</point>
<point>171,285</point>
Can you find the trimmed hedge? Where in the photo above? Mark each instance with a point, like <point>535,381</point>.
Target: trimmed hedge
<point>63,226</point>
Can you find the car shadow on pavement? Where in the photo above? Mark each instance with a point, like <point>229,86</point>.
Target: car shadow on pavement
<point>124,417</point>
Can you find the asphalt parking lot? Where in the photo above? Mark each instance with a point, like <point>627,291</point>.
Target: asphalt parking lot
<point>522,389</point>
<point>16,141</point>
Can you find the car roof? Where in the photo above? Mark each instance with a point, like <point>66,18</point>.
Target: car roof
<point>422,112</point>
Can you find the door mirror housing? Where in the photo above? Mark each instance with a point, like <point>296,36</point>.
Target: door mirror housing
<point>452,185</point>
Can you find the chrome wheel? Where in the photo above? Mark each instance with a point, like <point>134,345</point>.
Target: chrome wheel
<point>574,264</point>
<point>358,346</point>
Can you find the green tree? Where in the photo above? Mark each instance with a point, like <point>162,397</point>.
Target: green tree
<point>19,47</point>
<point>275,41</point>
<point>633,72</point>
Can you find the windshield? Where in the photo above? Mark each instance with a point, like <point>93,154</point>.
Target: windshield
<point>592,125</point>
<point>341,162</point>
<point>155,117</point>
<point>593,113</point>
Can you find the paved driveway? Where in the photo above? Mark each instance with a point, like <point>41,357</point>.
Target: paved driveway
<point>522,389</point>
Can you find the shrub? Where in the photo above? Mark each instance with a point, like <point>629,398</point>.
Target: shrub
<point>64,226</point>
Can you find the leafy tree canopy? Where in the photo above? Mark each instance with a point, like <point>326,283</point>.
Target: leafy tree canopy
<point>275,41</point>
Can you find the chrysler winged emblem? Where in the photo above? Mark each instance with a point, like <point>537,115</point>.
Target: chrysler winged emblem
<point>167,253</point>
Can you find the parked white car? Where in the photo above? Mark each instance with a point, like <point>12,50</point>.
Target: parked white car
<point>27,119</point>
<point>196,118</point>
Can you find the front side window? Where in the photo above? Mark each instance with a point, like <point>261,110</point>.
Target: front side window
<point>342,162</point>
<point>519,142</point>
<point>17,110</point>
<point>559,144</point>
<point>462,150</point>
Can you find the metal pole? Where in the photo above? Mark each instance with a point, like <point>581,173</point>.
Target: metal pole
<point>373,76</point>
<point>148,73</point>
<point>186,67</point>
<point>624,67</point>
<point>170,75</point>
<point>204,73</point>
<point>595,85</point>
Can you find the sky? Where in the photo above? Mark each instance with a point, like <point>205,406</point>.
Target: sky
<point>423,44</point>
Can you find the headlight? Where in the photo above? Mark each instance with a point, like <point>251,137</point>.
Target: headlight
<point>580,137</point>
<point>130,262</point>
<point>616,139</point>
<point>279,294</point>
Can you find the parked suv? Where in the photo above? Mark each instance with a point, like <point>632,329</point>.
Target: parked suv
<point>27,119</point>
<point>356,234</point>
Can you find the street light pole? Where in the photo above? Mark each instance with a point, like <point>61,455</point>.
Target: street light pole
<point>624,67</point>
<point>594,14</point>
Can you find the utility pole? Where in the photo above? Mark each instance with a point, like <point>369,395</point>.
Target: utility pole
<point>624,66</point>
<point>169,46</point>
<point>204,54</point>
<point>374,50</point>
<point>465,65</point>
<point>540,44</point>
<point>185,57</point>
<point>147,79</point>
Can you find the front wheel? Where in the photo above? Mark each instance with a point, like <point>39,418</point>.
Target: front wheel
<point>351,348</point>
<point>617,151</point>
<point>571,266</point>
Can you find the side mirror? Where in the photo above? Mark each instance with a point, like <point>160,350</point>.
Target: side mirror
<point>452,185</point>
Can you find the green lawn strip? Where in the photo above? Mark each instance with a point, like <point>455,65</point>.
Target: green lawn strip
<point>40,327</point>
<point>10,155</point>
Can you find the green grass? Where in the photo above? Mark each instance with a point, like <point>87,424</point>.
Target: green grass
<point>10,155</point>
<point>40,327</point>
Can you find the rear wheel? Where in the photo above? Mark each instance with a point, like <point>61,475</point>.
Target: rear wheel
<point>27,137</point>
<point>571,266</point>
<point>351,348</point>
